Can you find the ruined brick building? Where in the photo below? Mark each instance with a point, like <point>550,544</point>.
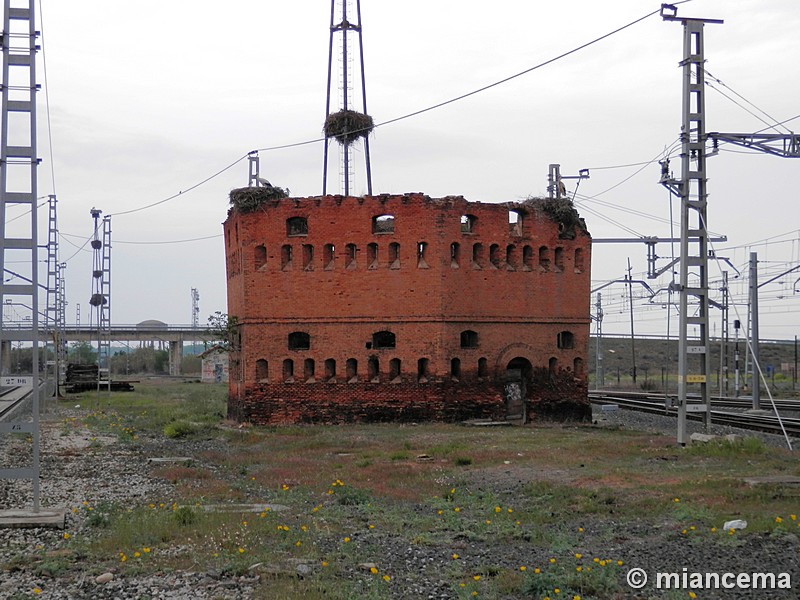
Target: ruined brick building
<point>405,307</point>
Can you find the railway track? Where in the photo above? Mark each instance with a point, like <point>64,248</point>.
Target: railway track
<point>10,398</point>
<point>657,404</point>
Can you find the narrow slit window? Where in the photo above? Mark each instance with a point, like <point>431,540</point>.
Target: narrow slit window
<point>527,258</point>
<point>511,257</point>
<point>422,250</point>
<point>330,370</point>
<point>260,256</point>
<point>372,256</point>
<point>308,370</point>
<point>394,255</point>
<point>262,370</point>
<point>373,369</point>
<point>422,370</point>
<point>477,256</point>
<point>455,368</point>
<point>579,260</point>
<point>455,255</point>
<point>308,257</point>
<point>494,256</point>
<point>350,252</point>
<point>286,257</point>
<point>351,370</point>
<point>328,256</point>
<point>559,258</point>
<point>544,258</point>
<point>483,367</point>
<point>394,370</point>
<point>288,370</point>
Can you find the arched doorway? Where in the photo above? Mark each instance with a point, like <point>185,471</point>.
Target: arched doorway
<point>515,387</point>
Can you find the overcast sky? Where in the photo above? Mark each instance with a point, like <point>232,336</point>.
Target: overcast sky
<point>149,98</point>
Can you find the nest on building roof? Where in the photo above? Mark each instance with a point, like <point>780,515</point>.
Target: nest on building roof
<point>563,212</point>
<point>347,126</point>
<point>249,199</point>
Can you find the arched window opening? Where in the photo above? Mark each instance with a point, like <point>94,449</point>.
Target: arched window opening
<point>477,256</point>
<point>578,367</point>
<point>422,370</point>
<point>527,258</point>
<point>262,370</point>
<point>468,223</point>
<point>483,367</point>
<point>394,370</point>
<point>455,255</point>
<point>288,370</point>
<point>328,256</point>
<point>372,256</point>
<point>350,252</point>
<point>494,256</point>
<point>469,339</point>
<point>299,340</point>
<point>544,258</point>
<point>422,248</point>
<point>296,226</point>
<point>330,370</point>
<point>383,340</point>
<point>515,222</point>
<point>394,255</point>
<point>559,258</point>
<point>511,257</point>
<point>383,224</point>
<point>286,257</point>
<point>455,368</point>
<point>351,370</point>
<point>373,369</point>
<point>308,257</point>
<point>308,370</point>
<point>579,260</point>
<point>260,256</point>
<point>552,365</point>
<point>565,340</point>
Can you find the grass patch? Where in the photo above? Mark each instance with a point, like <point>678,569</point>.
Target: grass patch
<point>356,496</point>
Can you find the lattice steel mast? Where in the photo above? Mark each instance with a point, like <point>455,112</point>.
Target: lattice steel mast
<point>18,186</point>
<point>694,353</point>
<point>346,130</point>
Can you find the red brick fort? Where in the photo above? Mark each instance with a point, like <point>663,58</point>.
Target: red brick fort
<point>405,307</point>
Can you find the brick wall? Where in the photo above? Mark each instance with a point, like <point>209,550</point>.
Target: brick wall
<point>324,267</point>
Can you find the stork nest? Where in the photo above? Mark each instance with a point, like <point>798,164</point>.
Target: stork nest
<point>561,211</point>
<point>249,199</point>
<point>347,126</point>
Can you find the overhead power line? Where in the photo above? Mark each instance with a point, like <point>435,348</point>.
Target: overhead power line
<point>409,115</point>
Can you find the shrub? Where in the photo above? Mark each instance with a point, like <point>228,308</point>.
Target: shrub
<point>179,429</point>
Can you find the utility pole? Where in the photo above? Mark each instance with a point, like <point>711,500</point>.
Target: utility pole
<point>694,353</point>
<point>723,351</point>
<point>629,279</point>
<point>599,367</point>
<point>755,380</point>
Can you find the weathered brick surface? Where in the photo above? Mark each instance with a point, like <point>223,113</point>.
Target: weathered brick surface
<point>518,302</point>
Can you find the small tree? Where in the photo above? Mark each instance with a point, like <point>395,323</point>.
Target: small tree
<point>82,353</point>
<point>224,330</point>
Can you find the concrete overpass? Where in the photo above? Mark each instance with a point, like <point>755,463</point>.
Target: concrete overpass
<point>145,332</point>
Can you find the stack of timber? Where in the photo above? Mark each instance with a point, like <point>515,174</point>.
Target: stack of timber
<point>82,378</point>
